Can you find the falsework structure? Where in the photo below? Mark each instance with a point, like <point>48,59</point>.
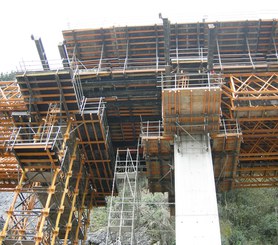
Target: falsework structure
<point>115,85</point>
<point>53,188</point>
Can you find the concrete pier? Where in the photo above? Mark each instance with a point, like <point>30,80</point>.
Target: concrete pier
<point>197,219</point>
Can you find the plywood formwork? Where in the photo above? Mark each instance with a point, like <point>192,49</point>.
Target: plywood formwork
<point>128,101</point>
<point>95,142</point>
<point>246,45</point>
<point>118,50</point>
<point>226,148</point>
<point>192,101</point>
<point>158,151</point>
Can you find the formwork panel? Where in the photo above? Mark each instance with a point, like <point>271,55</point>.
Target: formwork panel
<point>197,109</point>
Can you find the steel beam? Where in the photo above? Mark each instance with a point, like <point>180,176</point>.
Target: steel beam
<point>41,53</point>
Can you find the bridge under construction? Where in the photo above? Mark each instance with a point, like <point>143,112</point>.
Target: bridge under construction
<point>192,106</point>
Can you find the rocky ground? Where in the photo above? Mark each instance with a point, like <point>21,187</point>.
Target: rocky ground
<point>5,202</point>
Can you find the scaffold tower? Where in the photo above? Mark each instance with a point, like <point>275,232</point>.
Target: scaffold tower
<point>123,209</point>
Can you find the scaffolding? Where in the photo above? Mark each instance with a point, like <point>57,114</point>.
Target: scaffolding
<point>11,102</point>
<point>123,209</point>
<point>179,79</point>
<point>54,173</point>
<point>46,199</point>
<point>251,99</point>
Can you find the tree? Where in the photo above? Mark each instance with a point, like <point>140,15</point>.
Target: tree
<point>8,76</point>
<point>155,217</point>
<point>249,216</point>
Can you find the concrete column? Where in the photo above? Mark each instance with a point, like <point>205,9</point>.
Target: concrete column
<point>197,219</point>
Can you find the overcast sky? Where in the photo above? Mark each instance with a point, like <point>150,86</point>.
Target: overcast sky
<point>46,19</point>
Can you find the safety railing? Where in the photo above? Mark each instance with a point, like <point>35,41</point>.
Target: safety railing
<point>51,137</point>
<point>37,65</point>
<point>93,106</point>
<point>189,55</point>
<point>93,65</point>
<point>241,60</point>
<point>76,82</point>
<point>120,64</point>
<point>152,129</point>
<point>229,126</point>
<point>272,58</point>
<point>189,81</point>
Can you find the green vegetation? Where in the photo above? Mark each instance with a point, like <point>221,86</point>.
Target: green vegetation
<point>247,217</point>
<point>155,218</point>
<point>7,76</point>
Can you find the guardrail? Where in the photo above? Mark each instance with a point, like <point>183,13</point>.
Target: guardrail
<point>189,80</point>
<point>189,54</point>
<point>37,65</point>
<point>229,126</point>
<point>93,106</point>
<point>152,129</point>
<point>244,59</point>
<point>30,136</point>
<point>94,65</point>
